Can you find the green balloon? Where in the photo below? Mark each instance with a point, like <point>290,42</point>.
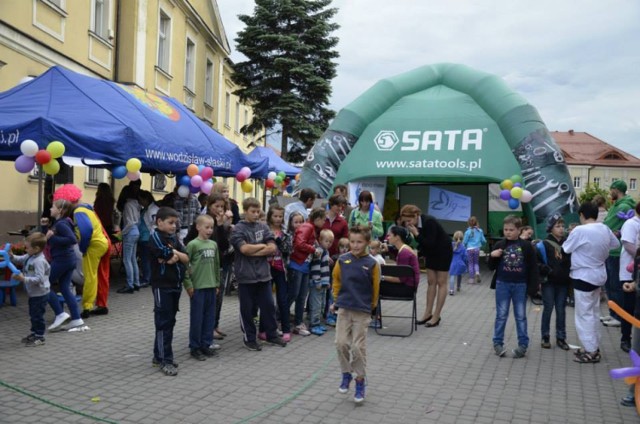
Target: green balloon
<point>282,175</point>
<point>516,178</point>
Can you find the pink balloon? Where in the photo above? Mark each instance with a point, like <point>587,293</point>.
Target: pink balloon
<point>24,164</point>
<point>206,173</point>
<point>206,187</point>
<point>246,171</point>
<point>240,176</point>
<point>196,181</point>
<point>133,176</point>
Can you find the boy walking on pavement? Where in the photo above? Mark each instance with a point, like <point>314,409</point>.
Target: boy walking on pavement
<point>35,276</point>
<point>201,283</point>
<point>356,285</point>
<point>253,243</point>
<point>170,260</point>
<point>514,261</point>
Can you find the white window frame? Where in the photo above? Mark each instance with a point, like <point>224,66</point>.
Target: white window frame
<point>164,41</point>
<point>190,65</point>
<point>100,18</point>
<point>596,181</point>
<point>227,110</point>
<point>94,176</point>
<point>237,126</point>
<point>208,83</point>
<point>577,182</point>
<point>633,184</point>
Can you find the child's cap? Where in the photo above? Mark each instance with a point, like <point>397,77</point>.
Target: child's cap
<point>553,220</point>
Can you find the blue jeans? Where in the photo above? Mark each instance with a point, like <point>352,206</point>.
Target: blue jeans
<point>452,281</point>
<point>202,318</point>
<point>145,262</point>
<point>282,298</point>
<point>165,308</point>
<point>129,257</point>
<point>62,271</point>
<point>37,306</point>
<point>317,296</point>
<point>613,286</point>
<point>554,295</point>
<point>507,293</point>
<point>298,290</point>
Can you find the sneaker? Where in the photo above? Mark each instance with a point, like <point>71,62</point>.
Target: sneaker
<point>198,355</point>
<point>317,331</point>
<point>612,323</point>
<point>301,330</point>
<point>156,363</point>
<point>169,369</point>
<point>562,344</point>
<point>215,346</point>
<point>519,352</point>
<point>458,288</point>
<point>125,290</point>
<point>478,279</point>
<point>375,323</point>
<point>628,400</point>
<point>450,292</point>
<point>85,314</point>
<point>346,381</point>
<point>60,319</point>
<point>36,341</point>
<point>262,336</point>
<point>209,352</point>
<point>279,332</point>
<point>606,318</point>
<point>254,346</point>
<point>323,328</point>
<point>499,350</point>
<point>625,346</point>
<point>546,344</point>
<point>72,324</point>
<point>286,337</point>
<point>331,320</point>
<point>472,281</point>
<point>277,341</point>
<point>359,396</point>
<point>100,310</point>
<point>571,302</point>
<point>29,338</point>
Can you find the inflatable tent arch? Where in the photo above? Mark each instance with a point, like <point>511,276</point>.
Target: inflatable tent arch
<point>444,123</point>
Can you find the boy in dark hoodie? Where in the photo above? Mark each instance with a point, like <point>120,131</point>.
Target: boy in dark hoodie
<point>170,260</point>
<point>554,265</point>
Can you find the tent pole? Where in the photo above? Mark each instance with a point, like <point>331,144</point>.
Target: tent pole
<point>40,194</point>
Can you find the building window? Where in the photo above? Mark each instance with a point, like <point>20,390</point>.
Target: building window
<point>208,83</point>
<point>227,111</point>
<point>159,182</point>
<point>596,181</point>
<point>576,182</point>
<point>237,116</point>
<point>94,176</point>
<point>57,3</point>
<point>633,184</point>
<point>101,18</point>
<point>164,42</point>
<point>246,117</point>
<point>190,65</point>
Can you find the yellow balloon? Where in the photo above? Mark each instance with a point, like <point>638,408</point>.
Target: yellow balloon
<point>56,148</point>
<point>516,192</point>
<point>134,165</point>
<point>506,185</point>
<point>52,167</point>
<point>247,186</point>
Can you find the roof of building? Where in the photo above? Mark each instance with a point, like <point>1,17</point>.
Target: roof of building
<point>581,148</point>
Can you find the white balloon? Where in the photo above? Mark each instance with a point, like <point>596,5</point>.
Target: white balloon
<point>183,191</point>
<point>526,196</point>
<point>29,148</point>
<point>271,175</point>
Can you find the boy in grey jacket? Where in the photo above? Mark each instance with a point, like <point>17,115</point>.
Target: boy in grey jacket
<point>253,242</point>
<point>35,277</point>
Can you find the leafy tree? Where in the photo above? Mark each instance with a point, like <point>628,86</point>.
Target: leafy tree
<point>591,191</point>
<point>290,65</point>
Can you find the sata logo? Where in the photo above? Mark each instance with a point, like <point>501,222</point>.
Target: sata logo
<point>386,140</point>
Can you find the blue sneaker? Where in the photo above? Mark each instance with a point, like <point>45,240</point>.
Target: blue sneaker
<point>346,380</point>
<point>375,323</point>
<point>359,396</point>
<point>317,331</point>
<point>323,328</point>
<point>331,320</point>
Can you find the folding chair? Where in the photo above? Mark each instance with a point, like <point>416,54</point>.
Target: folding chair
<point>397,292</point>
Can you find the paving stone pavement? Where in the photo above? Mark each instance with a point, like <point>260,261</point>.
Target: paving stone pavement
<point>446,374</point>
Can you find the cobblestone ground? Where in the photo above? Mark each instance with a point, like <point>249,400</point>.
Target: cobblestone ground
<point>446,374</point>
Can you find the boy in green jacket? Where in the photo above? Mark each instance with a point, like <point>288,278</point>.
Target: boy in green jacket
<point>201,283</point>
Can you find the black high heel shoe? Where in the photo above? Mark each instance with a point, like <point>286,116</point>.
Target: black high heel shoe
<point>423,321</point>
<point>433,324</point>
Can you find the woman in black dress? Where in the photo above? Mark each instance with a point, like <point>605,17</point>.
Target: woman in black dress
<point>434,244</point>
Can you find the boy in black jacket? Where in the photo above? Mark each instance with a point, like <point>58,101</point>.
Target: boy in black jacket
<point>514,261</point>
<point>554,270</point>
<point>170,259</point>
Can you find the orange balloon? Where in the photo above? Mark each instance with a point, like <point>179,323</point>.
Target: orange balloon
<point>192,170</point>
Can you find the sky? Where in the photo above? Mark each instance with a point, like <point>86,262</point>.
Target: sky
<point>578,63</point>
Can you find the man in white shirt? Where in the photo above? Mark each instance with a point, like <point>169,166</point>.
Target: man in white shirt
<point>629,234</point>
<point>589,246</point>
<point>306,199</point>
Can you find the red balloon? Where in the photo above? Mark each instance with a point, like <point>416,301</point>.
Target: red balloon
<point>269,184</point>
<point>240,176</point>
<point>43,157</point>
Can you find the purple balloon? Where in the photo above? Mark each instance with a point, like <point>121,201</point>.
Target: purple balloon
<point>505,195</point>
<point>517,185</point>
<point>24,164</point>
<point>193,189</point>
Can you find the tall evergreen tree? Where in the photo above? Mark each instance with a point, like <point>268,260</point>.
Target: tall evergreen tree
<point>287,77</point>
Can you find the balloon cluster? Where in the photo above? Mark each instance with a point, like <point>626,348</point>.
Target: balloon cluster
<point>31,155</point>
<point>513,192</point>
<point>242,177</point>
<point>199,178</point>
<point>277,182</point>
<point>131,170</point>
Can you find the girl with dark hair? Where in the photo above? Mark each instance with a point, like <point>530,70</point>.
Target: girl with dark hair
<point>367,215</point>
<point>399,237</point>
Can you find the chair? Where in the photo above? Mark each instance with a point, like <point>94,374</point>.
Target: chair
<point>397,292</point>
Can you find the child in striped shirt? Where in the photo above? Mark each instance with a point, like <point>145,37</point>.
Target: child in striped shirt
<point>320,278</point>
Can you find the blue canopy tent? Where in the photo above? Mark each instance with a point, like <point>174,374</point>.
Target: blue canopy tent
<point>276,163</point>
<point>102,120</point>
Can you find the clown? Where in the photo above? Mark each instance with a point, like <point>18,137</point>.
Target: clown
<point>95,247</point>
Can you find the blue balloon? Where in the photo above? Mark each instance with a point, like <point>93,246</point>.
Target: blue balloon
<point>185,180</point>
<point>200,168</point>
<point>290,189</point>
<point>514,203</point>
<point>119,172</point>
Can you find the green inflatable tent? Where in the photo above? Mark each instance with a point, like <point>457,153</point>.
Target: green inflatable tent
<point>443,124</point>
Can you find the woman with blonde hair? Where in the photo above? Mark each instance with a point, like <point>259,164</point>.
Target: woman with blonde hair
<point>434,244</point>
<point>232,205</point>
